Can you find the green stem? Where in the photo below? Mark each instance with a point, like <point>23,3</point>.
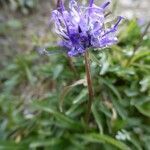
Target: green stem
<point>89,84</point>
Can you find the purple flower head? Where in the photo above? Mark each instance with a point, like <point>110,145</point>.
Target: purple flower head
<point>83,27</point>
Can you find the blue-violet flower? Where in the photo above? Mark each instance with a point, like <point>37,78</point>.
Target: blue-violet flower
<point>83,27</point>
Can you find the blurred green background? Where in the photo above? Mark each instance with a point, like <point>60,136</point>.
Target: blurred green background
<point>43,99</point>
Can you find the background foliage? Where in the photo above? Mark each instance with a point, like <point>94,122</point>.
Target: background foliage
<point>23,6</point>
<point>43,99</point>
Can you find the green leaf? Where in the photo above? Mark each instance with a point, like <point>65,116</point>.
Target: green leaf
<point>45,143</point>
<point>111,87</point>
<point>56,72</point>
<point>140,55</point>
<point>101,138</point>
<point>97,117</point>
<point>64,121</point>
<point>136,143</point>
<point>66,90</point>
<point>144,109</point>
<point>29,75</point>
<point>77,102</point>
<point>116,102</point>
<point>93,58</point>
<point>10,145</point>
<point>14,24</point>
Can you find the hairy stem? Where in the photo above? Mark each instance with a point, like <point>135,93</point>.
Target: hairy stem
<point>89,84</point>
